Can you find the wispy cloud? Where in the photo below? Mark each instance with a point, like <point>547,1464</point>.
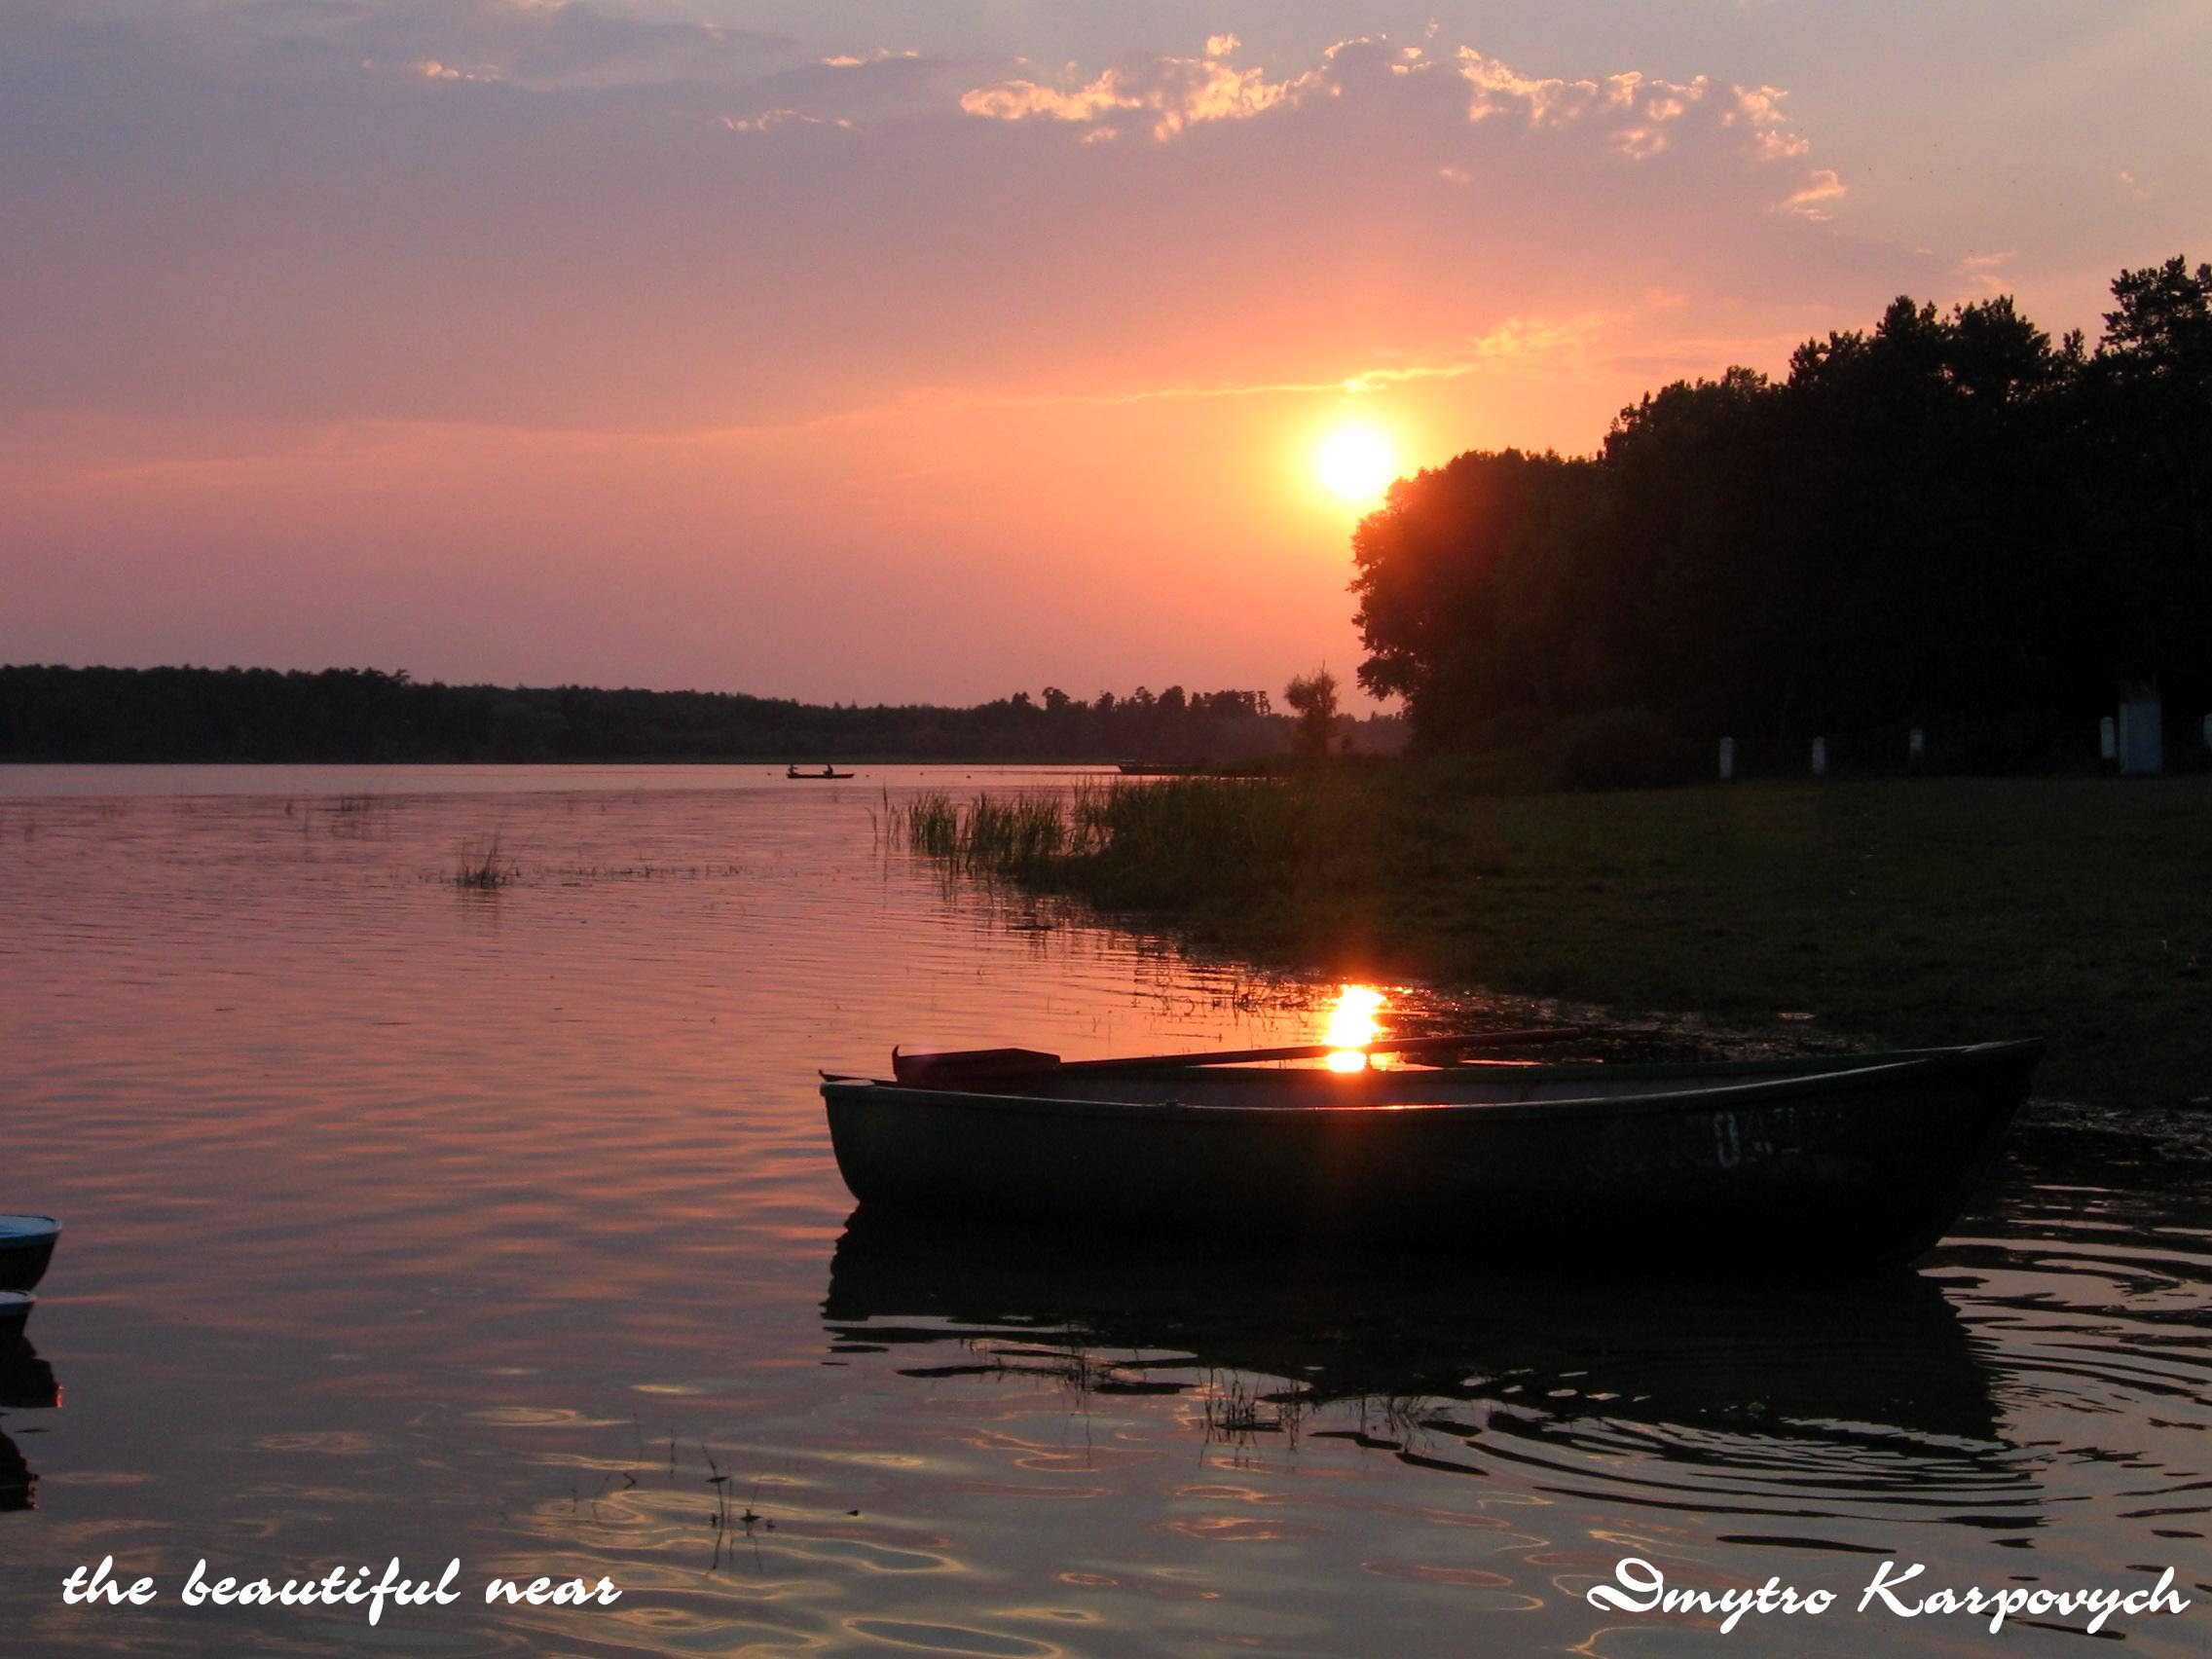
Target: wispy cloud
<point>1810,201</point>
<point>534,43</point>
<point>1986,271</point>
<point>1517,343</point>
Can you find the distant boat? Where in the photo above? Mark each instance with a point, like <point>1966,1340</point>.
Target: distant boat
<point>1162,768</point>
<point>1841,1160</point>
<point>27,1245</point>
<point>826,772</point>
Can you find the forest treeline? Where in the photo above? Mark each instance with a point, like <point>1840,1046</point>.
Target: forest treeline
<point>365,714</point>
<point>1947,521</point>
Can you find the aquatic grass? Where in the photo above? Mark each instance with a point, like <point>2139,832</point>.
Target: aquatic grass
<point>473,860</point>
<point>481,871</point>
<point>1002,837</point>
<point>1236,1411</point>
<point>931,825</point>
<point>993,837</point>
<point>1138,844</point>
<point>359,813</point>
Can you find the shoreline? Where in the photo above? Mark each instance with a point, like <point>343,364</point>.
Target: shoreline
<point>1905,913</point>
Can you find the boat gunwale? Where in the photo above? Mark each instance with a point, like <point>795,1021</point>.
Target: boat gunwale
<point>1872,1071</point>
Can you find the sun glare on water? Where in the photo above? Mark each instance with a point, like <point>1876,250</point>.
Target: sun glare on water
<point>1355,465</point>
<point>1351,1024</point>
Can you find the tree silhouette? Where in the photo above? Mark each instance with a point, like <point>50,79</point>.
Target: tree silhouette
<point>1313,698</point>
<point>1946,521</point>
<point>362,714</point>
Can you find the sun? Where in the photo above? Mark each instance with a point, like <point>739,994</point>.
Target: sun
<point>1355,465</point>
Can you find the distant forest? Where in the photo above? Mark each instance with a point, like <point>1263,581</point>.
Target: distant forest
<point>363,714</point>
<point>1949,522</point>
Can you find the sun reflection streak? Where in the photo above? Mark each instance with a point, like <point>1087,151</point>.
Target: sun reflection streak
<point>1351,1026</point>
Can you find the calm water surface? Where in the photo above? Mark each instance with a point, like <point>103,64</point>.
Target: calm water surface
<point>403,1220</point>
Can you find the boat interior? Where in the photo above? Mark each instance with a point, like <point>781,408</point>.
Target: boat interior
<point>1469,1083</point>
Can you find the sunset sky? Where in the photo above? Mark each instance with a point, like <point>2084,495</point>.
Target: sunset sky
<point>843,351</point>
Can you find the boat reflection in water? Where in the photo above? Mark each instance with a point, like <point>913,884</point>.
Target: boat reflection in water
<point>26,1384</point>
<point>1863,1389</point>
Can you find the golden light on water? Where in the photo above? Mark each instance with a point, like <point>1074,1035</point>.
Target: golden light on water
<point>1355,465</point>
<point>1351,1026</point>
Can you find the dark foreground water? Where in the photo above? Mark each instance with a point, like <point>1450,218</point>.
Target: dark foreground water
<point>408,1221</point>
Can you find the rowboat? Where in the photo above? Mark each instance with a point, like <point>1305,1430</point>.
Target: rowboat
<point>1845,1159</point>
<point>826,773</point>
<point>27,1245</point>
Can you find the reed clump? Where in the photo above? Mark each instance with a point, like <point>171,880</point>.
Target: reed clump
<point>1022,834</point>
<point>1142,844</point>
<point>1023,837</point>
<point>931,825</point>
<point>483,870</point>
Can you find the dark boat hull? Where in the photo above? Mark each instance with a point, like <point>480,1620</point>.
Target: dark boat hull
<point>1857,1163</point>
<point>25,1255</point>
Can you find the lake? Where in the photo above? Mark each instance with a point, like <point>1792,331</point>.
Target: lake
<point>403,1220</point>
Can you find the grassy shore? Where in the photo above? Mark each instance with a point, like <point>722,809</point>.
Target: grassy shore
<point>1930,911</point>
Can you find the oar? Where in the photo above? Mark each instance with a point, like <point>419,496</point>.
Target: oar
<point>951,1065</point>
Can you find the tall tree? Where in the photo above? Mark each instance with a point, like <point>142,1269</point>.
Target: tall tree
<point>1313,698</point>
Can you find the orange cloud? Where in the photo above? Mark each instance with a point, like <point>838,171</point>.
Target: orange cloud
<point>1500,90</point>
<point>1174,91</point>
<point>1177,93</point>
<point>1759,108</point>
